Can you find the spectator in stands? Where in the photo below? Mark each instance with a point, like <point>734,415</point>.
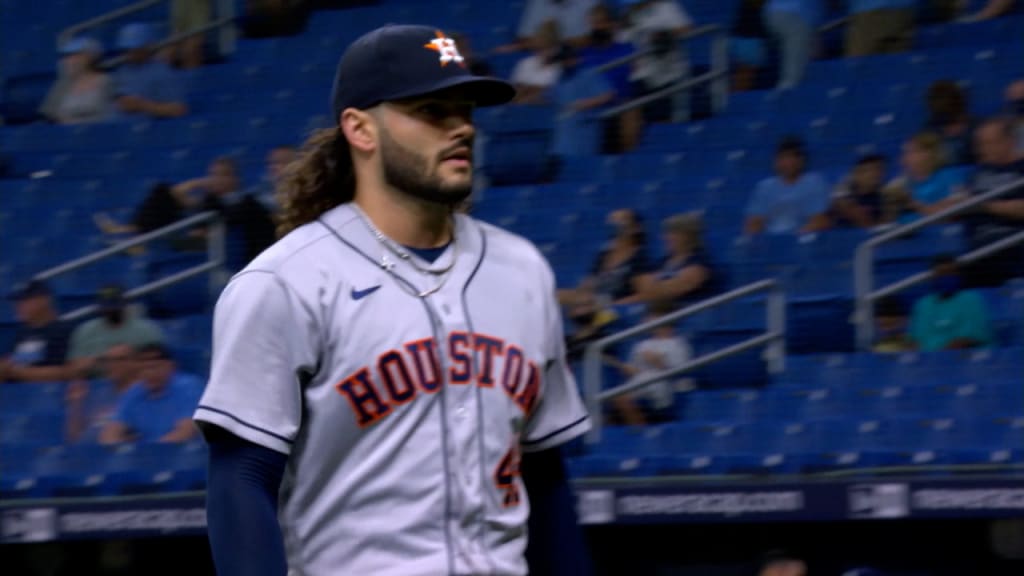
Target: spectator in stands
<point>950,317</point>
<point>926,186</point>
<point>186,16</point>
<point>538,72</point>
<point>663,349</point>
<point>792,24</point>
<point>159,407</point>
<point>578,97</point>
<point>83,92</point>
<point>619,263</point>
<point>857,200</point>
<point>949,116</point>
<point>655,27</point>
<point>747,40</point>
<point>1015,108</point>
<point>145,85</point>
<point>686,274</point>
<point>41,340</point>
<point>159,208</point>
<point>794,200</point>
<point>999,164</point>
<point>880,27</point>
<point>891,327</point>
<point>91,406</point>
<point>277,160</point>
<point>622,133</point>
<point>116,325</point>
<point>569,16</point>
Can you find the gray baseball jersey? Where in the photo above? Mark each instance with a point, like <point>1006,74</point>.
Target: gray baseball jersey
<point>403,416</point>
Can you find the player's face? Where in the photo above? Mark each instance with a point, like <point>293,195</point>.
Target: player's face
<point>426,148</point>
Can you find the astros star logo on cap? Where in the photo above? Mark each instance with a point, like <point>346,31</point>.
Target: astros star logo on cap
<point>447,49</point>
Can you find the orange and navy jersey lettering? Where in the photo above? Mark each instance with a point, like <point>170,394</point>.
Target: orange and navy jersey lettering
<point>401,374</point>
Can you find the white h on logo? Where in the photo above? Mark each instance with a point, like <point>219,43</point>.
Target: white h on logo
<point>446,48</point>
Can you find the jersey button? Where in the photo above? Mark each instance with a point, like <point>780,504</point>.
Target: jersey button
<point>460,411</point>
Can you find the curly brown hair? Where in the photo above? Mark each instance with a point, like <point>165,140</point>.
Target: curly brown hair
<point>320,178</point>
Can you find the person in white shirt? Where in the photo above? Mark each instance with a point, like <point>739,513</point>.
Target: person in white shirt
<point>534,74</point>
<point>662,350</point>
<point>657,25</point>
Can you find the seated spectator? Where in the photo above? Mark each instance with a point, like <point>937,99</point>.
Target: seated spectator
<point>41,340</point>
<point>603,48</point>
<point>950,317</point>
<point>578,96</point>
<point>1015,108</point>
<point>792,24</point>
<point>91,406</point>
<point>158,408</point>
<point>662,350</point>
<point>277,160</point>
<point>926,186</point>
<point>83,92</point>
<point>891,335</point>
<point>857,201</point>
<point>686,274</point>
<point>655,27</point>
<point>145,85</point>
<point>748,43</point>
<point>619,263</point>
<point>591,321</point>
<point>186,16</point>
<point>949,116</point>
<point>116,325</point>
<point>569,16</point>
<point>999,164</point>
<point>538,72</point>
<point>791,202</point>
<point>880,27</point>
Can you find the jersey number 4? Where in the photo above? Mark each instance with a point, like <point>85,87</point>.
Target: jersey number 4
<point>505,477</point>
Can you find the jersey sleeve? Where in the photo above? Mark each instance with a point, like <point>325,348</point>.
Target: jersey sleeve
<point>264,337</point>
<point>560,414</point>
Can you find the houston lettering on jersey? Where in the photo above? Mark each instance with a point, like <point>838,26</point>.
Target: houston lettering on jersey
<point>401,374</point>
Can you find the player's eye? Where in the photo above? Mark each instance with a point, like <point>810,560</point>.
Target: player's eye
<point>433,110</point>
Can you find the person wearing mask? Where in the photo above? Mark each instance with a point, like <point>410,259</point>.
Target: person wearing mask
<point>686,274</point>
<point>1015,108</point>
<point>90,406</point>
<point>41,339</point>
<point>159,407</point>
<point>534,75</point>
<point>144,85</point>
<point>619,263</point>
<point>793,201</point>
<point>949,117</point>
<point>857,201</point>
<point>116,325</point>
<point>926,185</point>
<point>999,164</point>
<point>655,28</point>
<point>949,317</point>
<point>83,92</point>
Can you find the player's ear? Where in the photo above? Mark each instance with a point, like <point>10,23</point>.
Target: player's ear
<point>359,128</point>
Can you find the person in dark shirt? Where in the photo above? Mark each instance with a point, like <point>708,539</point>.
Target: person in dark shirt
<point>686,275</point>
<point>617,266</point>
<point>41,342</point>
<point>949,117</point>
<point>857,202</point>
<point>999,164</point>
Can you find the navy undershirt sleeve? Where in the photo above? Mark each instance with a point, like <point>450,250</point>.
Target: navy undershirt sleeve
<point>241,506</point>
<point>556,544</point>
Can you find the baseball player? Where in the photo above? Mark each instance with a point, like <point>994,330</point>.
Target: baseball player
<point>378,372</point>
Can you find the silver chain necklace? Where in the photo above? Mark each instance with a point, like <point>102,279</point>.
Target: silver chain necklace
<point>403,254</point>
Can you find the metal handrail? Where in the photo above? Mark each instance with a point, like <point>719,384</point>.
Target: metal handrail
<point>864,290</point>
<point>773,339</point>
<point>216,257</point>
<point>69,32</point>
<point>718,75</point>
<point>174,39</point>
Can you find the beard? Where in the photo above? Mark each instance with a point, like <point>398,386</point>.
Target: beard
<point>410,174</point>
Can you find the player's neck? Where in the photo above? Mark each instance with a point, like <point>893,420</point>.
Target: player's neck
<point>409,222</point>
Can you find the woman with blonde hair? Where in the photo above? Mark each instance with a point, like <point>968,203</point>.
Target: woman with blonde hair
<point>686,272</point>
<point>927,185</point>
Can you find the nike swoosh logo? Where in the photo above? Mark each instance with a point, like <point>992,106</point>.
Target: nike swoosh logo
<point>359,294</point>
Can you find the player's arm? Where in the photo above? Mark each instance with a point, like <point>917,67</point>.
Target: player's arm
<point>556,546</point>
<point>243,480</point>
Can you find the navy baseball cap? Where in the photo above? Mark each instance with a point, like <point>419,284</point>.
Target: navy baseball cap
<point>403,61</point>
<point>29,289</point>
